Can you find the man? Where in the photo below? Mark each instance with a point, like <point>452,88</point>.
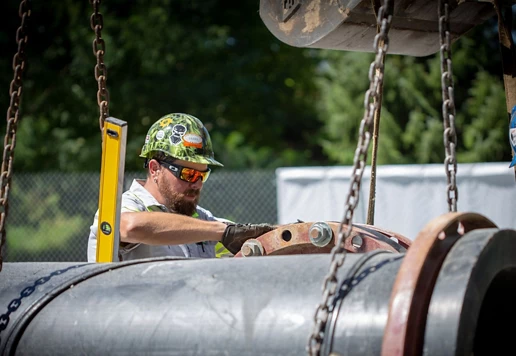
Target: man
<point>160,215</point>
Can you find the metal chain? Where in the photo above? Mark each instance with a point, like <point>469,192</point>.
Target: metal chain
<point>99,49</point>
<point>372,96</point>
<point>13,116</point>
<point>450,134</point>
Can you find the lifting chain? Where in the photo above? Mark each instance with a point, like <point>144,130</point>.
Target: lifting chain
<point>99,49</point>
<point>450,134</point>
<point>371,101</point>
<point>376,135</point>
<point>13,116</point>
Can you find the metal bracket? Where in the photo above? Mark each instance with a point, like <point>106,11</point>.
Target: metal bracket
<point>289,8</point>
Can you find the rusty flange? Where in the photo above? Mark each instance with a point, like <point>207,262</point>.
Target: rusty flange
<point>298,238</point>
<point>416,277</point>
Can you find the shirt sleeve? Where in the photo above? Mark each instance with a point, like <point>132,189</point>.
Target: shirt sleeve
<point>131,203</point>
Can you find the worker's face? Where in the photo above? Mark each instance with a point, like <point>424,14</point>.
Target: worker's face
<point>180,196</point>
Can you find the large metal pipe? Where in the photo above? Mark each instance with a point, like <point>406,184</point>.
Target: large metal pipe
<point>240,306</point>
<point>252,306</point>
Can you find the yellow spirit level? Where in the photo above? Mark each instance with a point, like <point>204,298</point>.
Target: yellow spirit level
<point>111,185</point>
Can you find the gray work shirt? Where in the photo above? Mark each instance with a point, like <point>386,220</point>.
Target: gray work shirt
<point>137,198</point>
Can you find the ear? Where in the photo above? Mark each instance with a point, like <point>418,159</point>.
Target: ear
<point>154,167</point>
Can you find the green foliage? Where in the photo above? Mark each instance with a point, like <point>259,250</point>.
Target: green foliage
<point>484,121</point>
<point>49,215</point>
<point>216,62</point>
<point>265,103</point>
<point>411,126</point>
<point>56,233</point>
<point>342,89</point>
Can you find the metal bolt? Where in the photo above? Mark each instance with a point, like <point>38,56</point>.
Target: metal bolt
<point>320,234</point>
<point>357,241</point>
<point>246,251</point>
<point>252,247</point>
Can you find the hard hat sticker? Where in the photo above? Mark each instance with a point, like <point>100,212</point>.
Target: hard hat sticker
<point>165,122</point>
<point>192,140</point>
<point>105,228</point>
<point>178,132</point>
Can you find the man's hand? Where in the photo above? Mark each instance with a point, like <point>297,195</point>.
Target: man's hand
<point>236,234</point>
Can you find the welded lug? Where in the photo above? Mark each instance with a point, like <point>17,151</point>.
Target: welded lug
<point>252,247</point>
<point>320,234</point>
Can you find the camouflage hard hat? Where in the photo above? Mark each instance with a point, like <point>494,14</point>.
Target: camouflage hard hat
<point>180,136</point>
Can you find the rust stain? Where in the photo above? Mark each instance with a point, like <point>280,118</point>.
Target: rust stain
<point>312,16</point>
<point>287,27</point>
<point>345,12</point>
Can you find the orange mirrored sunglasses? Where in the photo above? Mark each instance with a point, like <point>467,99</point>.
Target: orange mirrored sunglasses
<point>186,174</point>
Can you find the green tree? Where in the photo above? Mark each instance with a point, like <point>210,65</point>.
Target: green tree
<point>266,104</point>
<point>411,128</point>
<point>217,62</point>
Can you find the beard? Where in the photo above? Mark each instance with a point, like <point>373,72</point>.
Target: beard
<point>176,202</point>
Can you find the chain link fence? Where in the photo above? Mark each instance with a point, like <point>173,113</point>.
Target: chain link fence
<point>50,214</point>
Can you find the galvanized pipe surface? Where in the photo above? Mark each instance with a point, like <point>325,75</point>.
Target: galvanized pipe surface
<point>252,306</point>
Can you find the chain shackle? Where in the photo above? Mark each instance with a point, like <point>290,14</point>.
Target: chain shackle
<point>448,106</point>
<point>13,117</point>
<point>99,50</point>
<point>372,96</point>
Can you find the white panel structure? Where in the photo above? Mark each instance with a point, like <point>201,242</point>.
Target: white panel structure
<point>407,196</point>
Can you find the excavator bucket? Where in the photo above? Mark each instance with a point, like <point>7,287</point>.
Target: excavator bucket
<point>351,24</point>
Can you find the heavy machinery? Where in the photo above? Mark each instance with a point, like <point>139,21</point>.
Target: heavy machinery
<point>447,291</point>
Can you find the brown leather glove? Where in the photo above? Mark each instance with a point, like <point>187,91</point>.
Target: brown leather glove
<point>236,234</point>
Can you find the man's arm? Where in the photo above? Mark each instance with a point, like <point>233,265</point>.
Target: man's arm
<point>160,228</point>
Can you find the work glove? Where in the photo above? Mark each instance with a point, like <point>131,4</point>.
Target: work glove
<point>236,234</point>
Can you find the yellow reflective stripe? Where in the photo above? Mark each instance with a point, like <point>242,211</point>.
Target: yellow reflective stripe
<point>222,251</point>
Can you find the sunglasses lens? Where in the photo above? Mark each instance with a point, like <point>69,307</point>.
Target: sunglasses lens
<point>191,175</point>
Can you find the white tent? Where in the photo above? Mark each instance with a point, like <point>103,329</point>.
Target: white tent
<point>407,196</point>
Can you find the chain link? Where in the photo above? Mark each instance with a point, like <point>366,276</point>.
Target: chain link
<point>372,100</point>
<point>13,116</point>
<point>16,303</point>
<point>99,49</point>
<point>450,134</point>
